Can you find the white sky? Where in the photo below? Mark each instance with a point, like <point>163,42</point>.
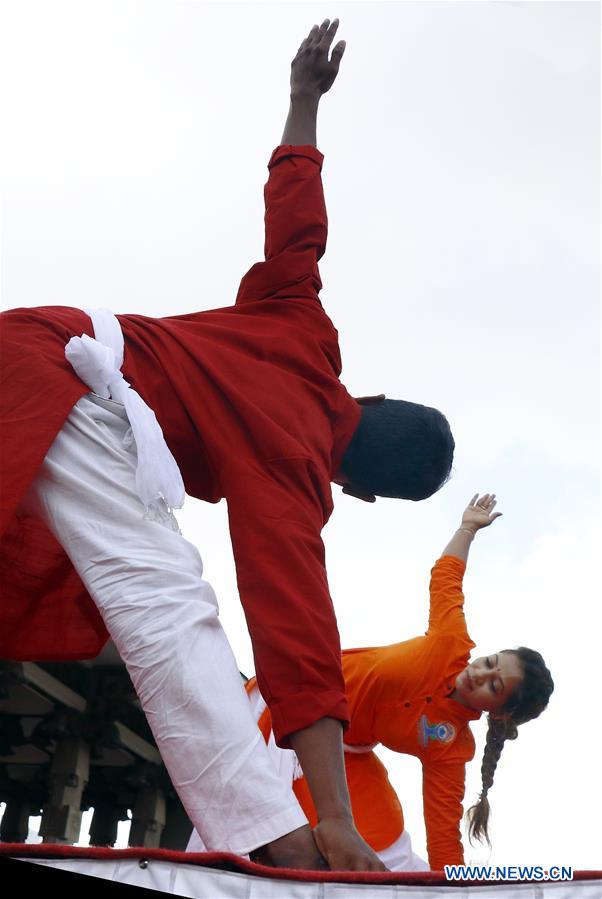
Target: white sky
<point>462,182</point>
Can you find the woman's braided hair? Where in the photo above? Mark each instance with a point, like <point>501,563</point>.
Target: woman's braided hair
<point>527,702</point>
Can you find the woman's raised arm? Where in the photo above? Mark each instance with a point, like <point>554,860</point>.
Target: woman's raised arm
<point>477,514</point>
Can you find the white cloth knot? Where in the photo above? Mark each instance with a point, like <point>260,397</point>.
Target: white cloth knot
<point>94,363</point>
<point>97,362</point>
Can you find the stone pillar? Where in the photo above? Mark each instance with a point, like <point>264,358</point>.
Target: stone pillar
<point>148,818</point>
<point>178,828</point>
<point>69,772</point>
<point>15,821</point>
<point>103,829</point>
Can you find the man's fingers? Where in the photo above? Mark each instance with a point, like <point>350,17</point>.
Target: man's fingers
<point>337,54</point>
<point>317,32</point>
<point>311,34</point>
<point>313,30</point>
<point>313,37</point>
<point>324,28</point>
<point>327,36</point>
<point>313,54</point>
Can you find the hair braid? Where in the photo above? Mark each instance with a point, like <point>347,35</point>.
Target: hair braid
<point>498,731</point>
<point>529,701</point>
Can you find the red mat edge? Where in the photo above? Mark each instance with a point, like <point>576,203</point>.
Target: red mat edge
<point>229,861</point>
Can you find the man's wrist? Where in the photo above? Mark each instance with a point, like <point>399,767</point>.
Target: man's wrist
<point>341,813</point>
<point>305,97</point>
<point>468,530</point>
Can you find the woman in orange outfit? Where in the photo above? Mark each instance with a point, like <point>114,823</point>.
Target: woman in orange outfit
<point>418,697</point>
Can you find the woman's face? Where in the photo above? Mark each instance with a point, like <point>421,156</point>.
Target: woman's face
<point>487,683</point>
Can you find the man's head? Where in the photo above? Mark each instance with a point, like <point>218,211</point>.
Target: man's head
<point>399,449</point>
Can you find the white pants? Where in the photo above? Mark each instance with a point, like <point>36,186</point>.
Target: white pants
<point>399,856</point>
<point>147,582</point>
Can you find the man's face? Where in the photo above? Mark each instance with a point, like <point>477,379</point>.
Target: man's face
<point>487,683</point>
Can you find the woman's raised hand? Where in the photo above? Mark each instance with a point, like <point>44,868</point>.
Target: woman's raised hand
<point>479,512</point>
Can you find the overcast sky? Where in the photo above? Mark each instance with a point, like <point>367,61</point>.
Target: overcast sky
<point>462,270</point>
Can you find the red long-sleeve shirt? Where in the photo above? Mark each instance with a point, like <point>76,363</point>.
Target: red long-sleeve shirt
<point>251,405</point>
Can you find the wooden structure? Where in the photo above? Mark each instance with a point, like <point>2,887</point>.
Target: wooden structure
<point>73,737</point>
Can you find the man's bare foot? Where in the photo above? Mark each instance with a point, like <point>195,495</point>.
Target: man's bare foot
<point>296,849</point>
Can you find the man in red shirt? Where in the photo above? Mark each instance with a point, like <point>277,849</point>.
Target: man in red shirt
<point>251,406</point>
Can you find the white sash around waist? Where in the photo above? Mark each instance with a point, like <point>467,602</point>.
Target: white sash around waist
<point>97,362</point>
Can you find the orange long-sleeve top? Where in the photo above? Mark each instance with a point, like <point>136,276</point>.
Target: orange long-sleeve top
<point>399,696</point>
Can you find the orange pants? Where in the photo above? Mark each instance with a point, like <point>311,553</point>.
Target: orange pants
<point>376,809</point>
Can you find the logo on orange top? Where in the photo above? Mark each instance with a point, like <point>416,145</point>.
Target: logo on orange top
<point>444,732</point>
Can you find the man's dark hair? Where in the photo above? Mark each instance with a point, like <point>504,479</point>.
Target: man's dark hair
<point>400,449</point>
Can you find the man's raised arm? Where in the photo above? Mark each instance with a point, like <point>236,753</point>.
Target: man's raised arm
<point>319,747</point>
<point>295,218</point>
<point>312,74</point>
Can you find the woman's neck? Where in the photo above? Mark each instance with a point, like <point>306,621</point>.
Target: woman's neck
<point>457,698</point>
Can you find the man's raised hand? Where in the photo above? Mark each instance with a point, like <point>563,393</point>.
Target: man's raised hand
<point>312,72</point>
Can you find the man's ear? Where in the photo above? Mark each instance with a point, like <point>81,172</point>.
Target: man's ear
<point>370,400</point>
<point>359,494</point>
